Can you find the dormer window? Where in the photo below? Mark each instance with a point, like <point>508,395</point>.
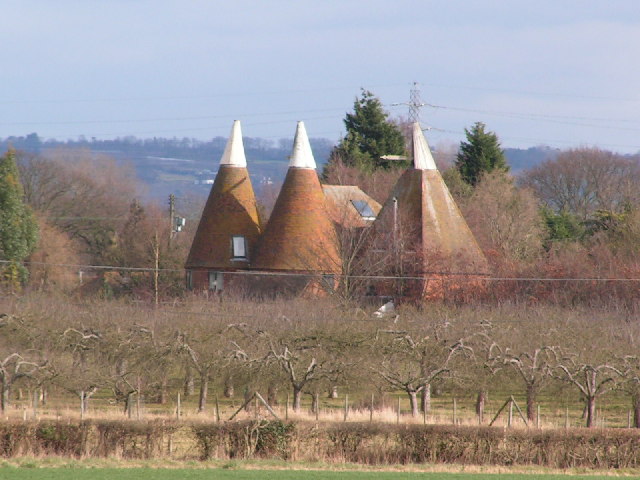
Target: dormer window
<point>238,247</point>
<point>364,209</point>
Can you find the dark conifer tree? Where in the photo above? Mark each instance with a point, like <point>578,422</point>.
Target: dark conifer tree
<point>370,135</point>
<point>18,227</point>
<point>479,154</point>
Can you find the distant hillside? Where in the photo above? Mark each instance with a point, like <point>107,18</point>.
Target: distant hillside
<point>520,159</point>
<point>172,165</point>
<point>179,166</point>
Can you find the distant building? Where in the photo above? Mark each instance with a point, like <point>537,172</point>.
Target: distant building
<point>419,231</point>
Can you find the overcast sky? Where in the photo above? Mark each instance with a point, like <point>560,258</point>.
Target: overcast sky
<point>562,73</point>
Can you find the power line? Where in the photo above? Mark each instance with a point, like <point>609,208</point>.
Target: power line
<point>435,275</point>
<point>171,119</point>
<point>562,119</point>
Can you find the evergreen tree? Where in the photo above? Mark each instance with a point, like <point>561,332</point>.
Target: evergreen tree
<point>479,154</point>
<point>369,136</point>
<point>18,227</point>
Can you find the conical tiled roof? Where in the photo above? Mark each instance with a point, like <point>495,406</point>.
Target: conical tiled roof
<point>230,211</point>
<point>428,217</point>
<point>299,234</point>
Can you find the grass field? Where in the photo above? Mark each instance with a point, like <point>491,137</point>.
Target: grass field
<point>17,473</point>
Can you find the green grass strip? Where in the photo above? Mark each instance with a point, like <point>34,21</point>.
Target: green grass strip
<point>22,473</point>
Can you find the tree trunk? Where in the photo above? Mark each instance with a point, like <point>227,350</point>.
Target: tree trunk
<point>413,400</point>
<point>591,412</point>
<point>272,395</point>
<point>4,395</point>
<point>127,399</point>
<point>204,390</point>
<point>532,393</point>
<point>128,404</point>
<point>333,392</point>
<point>189,383</point>
<point>85,402</point>
<point>228,389</point>
<point>426,398</point>
<point>248,393</point>
<point>162,399</point>
<point>636,411</point>
<point>297,398</point>
<point>82,404</point>
<point>480,402</point>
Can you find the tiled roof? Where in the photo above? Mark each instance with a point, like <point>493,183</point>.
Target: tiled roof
<point>428,217</point>
<point>299,234</point>
<point>341,208</point>
<point>230,210</point>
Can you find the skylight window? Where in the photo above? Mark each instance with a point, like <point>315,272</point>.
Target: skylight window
<point>364,209</point>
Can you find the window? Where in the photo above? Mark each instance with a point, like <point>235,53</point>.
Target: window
<point>239,247</point>
<point>215,281</point>
<point>364,209</point>
<point>189,280</point>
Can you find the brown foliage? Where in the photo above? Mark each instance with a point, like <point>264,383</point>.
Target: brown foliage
<point>504,218</point>
<point>55,249</point>
<point>83,194</point>
<point>583,180</point>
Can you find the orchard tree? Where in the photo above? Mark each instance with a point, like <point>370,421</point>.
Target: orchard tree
<point>481,153</point>
<point>18,227</point>
<point>370,135</point>
<point>410,356</point>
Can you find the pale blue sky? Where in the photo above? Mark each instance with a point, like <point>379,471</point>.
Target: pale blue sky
<point>557,72</point>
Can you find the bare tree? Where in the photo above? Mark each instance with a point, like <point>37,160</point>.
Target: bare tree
<point>534,367</point>
<point>583,180</point>
<point>18,358</point>
<point>305,358</point>
<point>630,384</point>
<point>209,348</point>
<point>77,364</point>
<point>592,379</point>
<point>412,358</point>
<point>505,218</point>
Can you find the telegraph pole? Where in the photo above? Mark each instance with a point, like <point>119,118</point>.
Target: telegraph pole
<point>172,216</point>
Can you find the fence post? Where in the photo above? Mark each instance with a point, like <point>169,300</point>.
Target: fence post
<point>566,418</point>
<point>629,419</point>
<point>178,408</point>
<point>371,410</point>
<point>510,419</point>
<point>286,408</point>
<point>455,412</point>
<point>217,410</point>
<point>346,406</point>
<point>538,417</point>
<point>139,400</point>
<point>424,415</point>
<point>36,398</point>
